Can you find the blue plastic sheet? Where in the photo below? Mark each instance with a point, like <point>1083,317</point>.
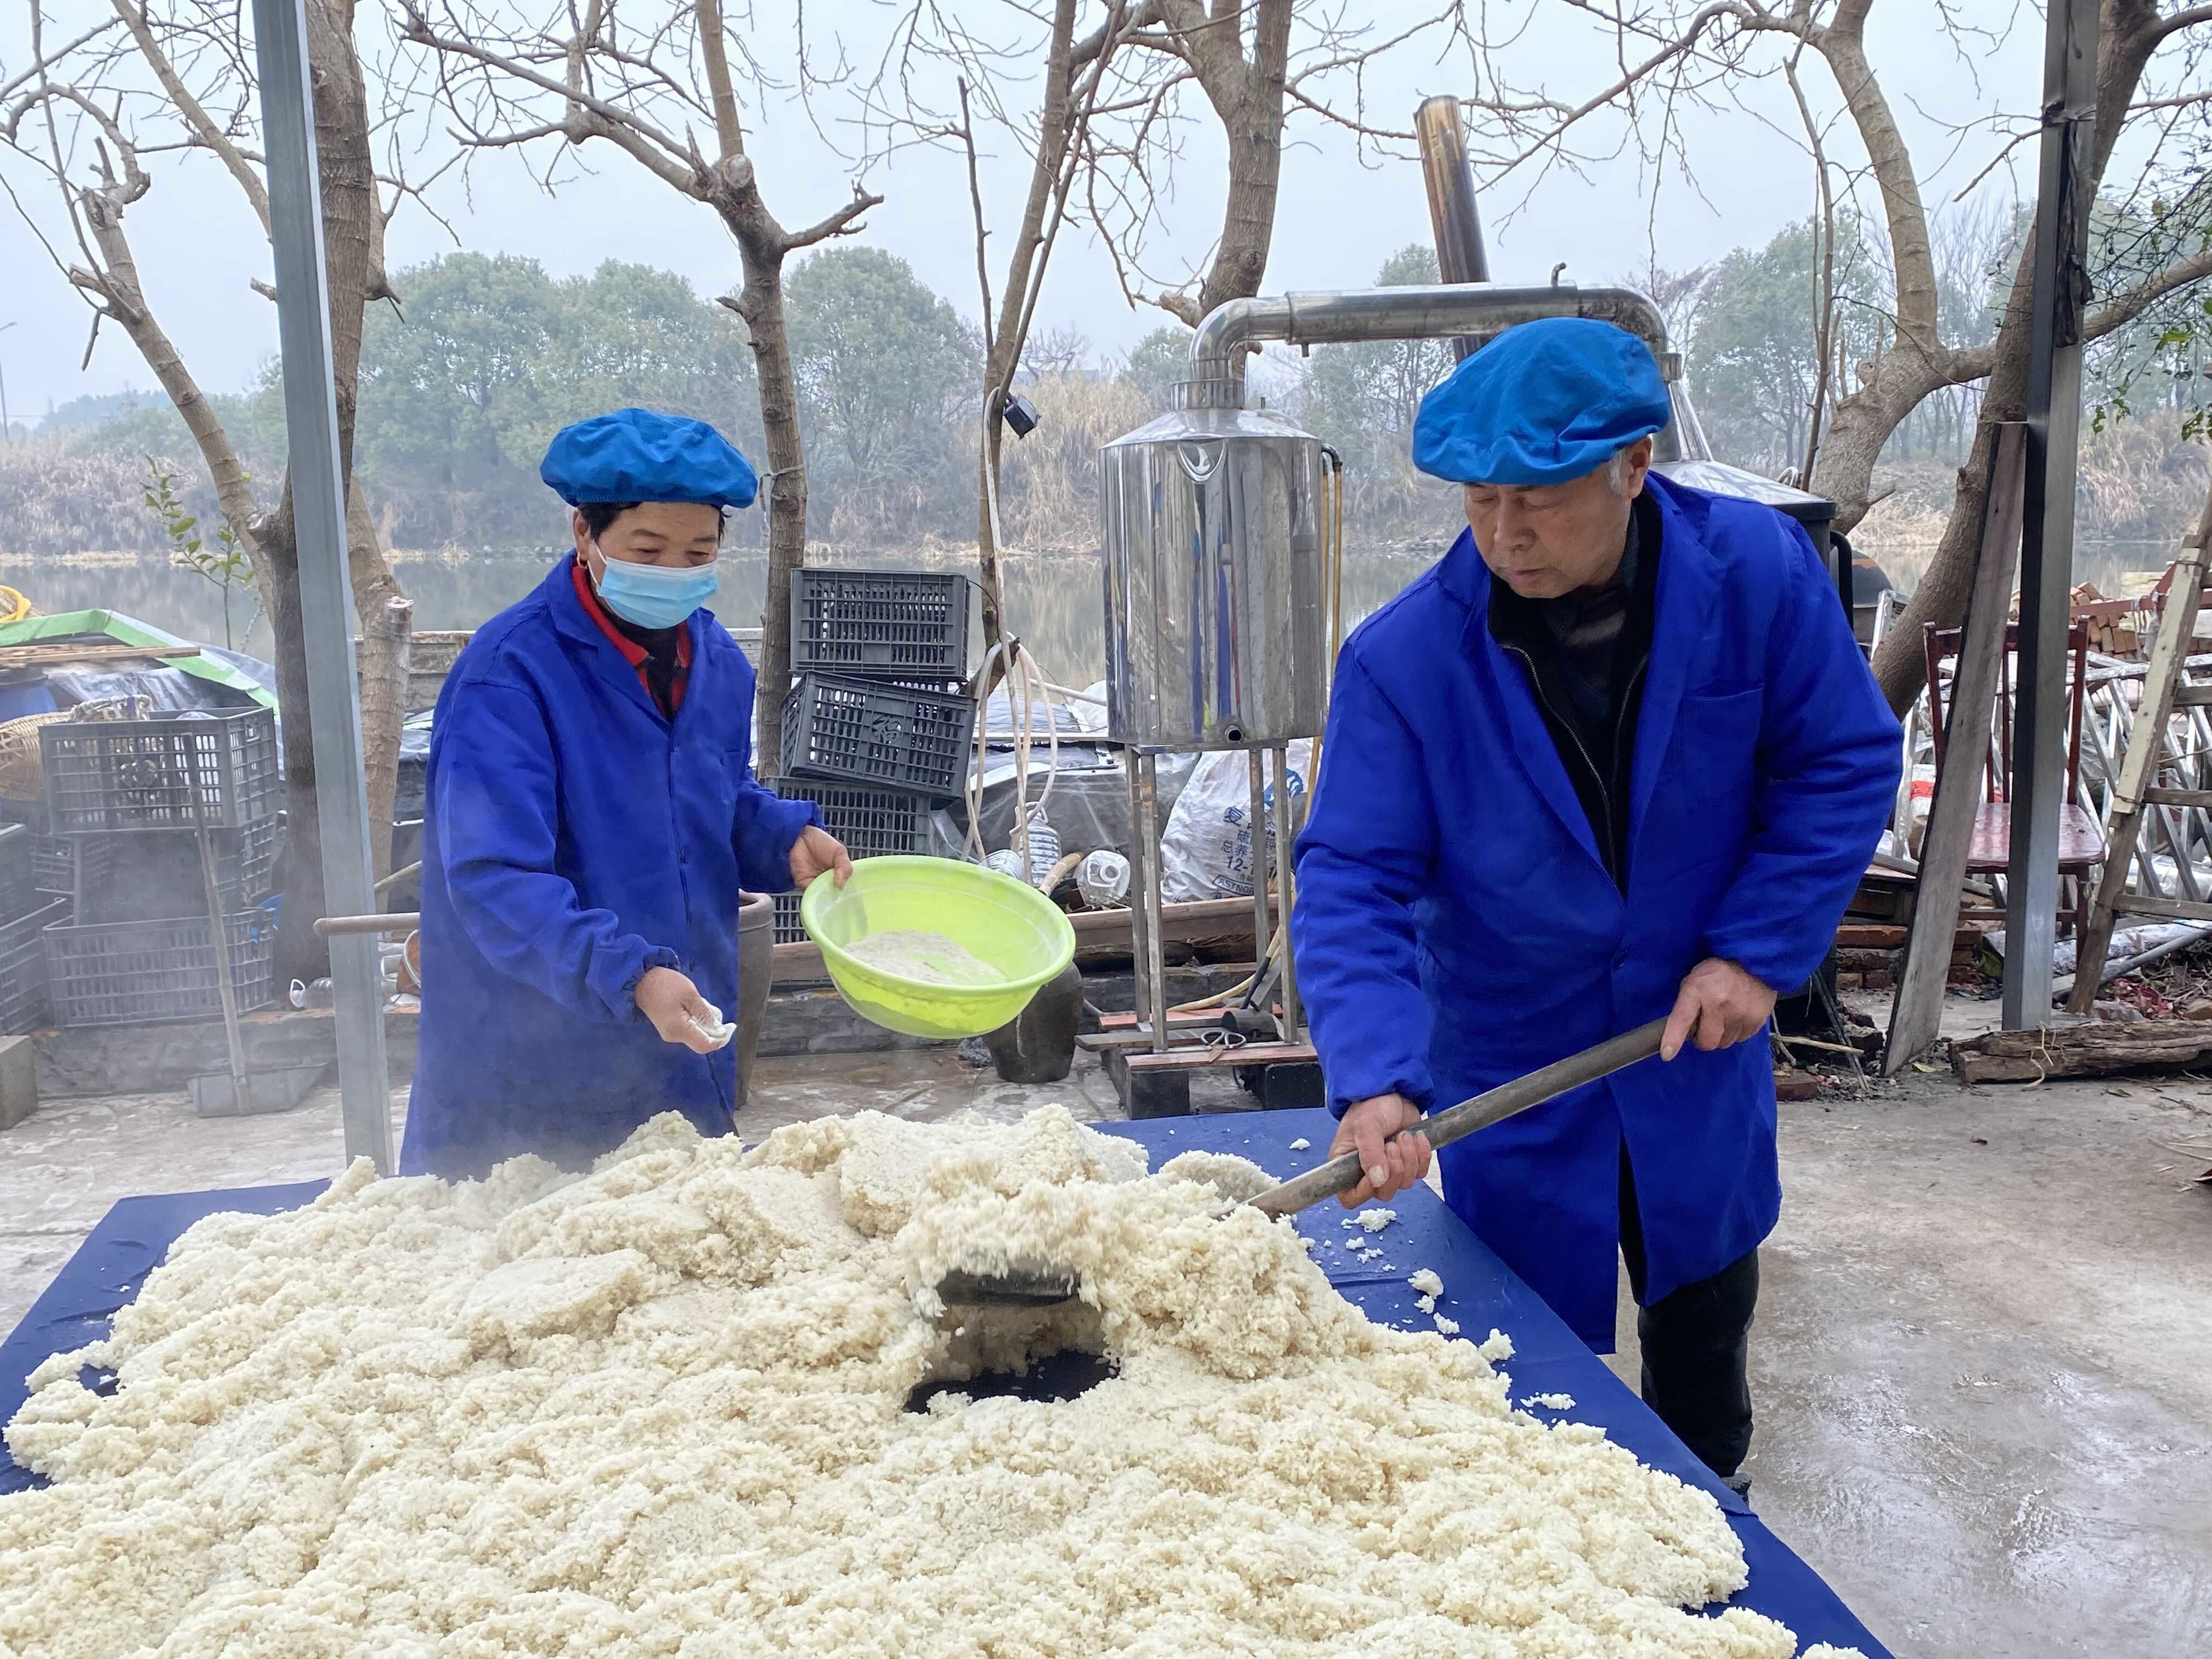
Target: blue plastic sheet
<point>132,1238</point>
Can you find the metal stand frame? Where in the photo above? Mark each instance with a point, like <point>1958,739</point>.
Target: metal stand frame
<point>1149,946</point>
<point>2060,252</point>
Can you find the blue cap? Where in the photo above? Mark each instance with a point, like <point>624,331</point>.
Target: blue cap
<point>637,455</point>
<point>1544,402</point>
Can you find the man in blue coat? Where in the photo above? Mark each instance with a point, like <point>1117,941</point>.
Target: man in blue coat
<point>1616,757</point>
<point>592,822</point>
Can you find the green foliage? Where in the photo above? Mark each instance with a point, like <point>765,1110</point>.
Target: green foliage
<point>225,564</point>
<point>881,361</point>
<point>1156,364</point>
<point>1363,399</point>
<point>464,383</point>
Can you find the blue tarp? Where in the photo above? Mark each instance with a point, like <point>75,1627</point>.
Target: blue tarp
<point>132,1239</point>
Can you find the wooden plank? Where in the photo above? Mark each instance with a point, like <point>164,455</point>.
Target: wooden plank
<point>2097,1048</point>
<point>1916,1012</point>
<point>44,655</point>
<point>2164,797</point>
<point>2192,696</point>
<point>1198,1057</point>
<point>2151,904</point>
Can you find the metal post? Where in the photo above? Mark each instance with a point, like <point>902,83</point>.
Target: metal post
<point>1257,822</point>
<point>1155,959</point>
<point>311,424</point>
<point>1286,892</point>
<point>2054,420</point>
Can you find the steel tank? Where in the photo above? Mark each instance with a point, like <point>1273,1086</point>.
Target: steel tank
<point>1216,635</point>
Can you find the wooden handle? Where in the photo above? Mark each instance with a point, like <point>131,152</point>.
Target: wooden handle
<point>402,922</point>
<point>1456,1122</point>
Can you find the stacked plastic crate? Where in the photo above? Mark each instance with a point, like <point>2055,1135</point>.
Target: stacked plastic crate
<point>128,939</point>
<point>879,725</point>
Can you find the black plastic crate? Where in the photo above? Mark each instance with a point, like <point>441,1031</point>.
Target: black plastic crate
<point>137,973</point>
<point>19,871</point>
<point>871,823</point>
<point>859,730</point>
<point>904,625</point>
<point>23,971</point>
<point>173,770</point>
<point>138,876</point>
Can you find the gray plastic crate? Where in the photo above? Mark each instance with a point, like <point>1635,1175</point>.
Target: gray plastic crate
<point>176,769</point>
<point>850,730</point>
<point>138,973</point>
<point>23,969</point>
<point>871,823</point>
<point>19,871</point>
<point>140,877</point>
<point>906,625</point>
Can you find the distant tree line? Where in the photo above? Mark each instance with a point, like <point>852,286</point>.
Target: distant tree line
<point>462,388</point>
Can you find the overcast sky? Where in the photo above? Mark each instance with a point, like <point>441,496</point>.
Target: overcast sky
<point>199,248</point>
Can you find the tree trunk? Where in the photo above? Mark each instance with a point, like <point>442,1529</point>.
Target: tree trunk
<point>2131,32</point>
<point>762,247</point>
<point>387,617</point>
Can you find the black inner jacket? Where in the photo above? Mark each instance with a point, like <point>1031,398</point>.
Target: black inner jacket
<point>1594,734</point>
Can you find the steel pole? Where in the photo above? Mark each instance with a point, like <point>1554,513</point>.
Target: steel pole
<point>2046,575</point>
<point>311,425</point>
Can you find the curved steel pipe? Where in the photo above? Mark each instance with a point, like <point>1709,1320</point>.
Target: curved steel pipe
<point>1427,311</point>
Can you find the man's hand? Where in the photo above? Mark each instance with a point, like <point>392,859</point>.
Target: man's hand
<point>815,851</point>
<point>1719,1005</point>
<point>672,1003</point>
<point>1392,1166</point>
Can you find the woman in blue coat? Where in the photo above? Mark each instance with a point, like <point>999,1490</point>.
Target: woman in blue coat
<point>592,822</point>
<point>1616,756</point>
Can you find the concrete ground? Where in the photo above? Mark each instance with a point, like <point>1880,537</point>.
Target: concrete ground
<point>1983,1361</point>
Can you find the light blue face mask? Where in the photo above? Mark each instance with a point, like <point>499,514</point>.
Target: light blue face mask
<point>653,595</point>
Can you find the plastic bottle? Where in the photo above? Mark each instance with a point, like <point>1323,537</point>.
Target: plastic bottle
<point>1006,862</point>
<point>1103,878</point>
<point>1044,846</point>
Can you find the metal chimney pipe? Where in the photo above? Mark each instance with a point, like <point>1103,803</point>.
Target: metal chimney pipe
<point>1432,312</point>
<point>1461,256</point>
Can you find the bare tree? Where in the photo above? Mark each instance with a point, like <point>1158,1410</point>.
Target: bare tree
<point>1675,53</point>
<point>85,117</point>
<point>1255,64</point>
<point>587,73</point>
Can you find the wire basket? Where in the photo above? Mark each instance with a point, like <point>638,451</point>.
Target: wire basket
<point>859,730</point>
<point>906,625</point>
<point>176,769</point>
<point>23,971</point>
<point>138,973</point>
<point>20,763</point>
<point>871,823</point>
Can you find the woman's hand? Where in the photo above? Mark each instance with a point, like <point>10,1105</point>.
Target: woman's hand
<point>676,1010</point>
<point>815,851</point>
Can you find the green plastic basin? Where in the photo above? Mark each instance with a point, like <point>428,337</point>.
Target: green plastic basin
<point>1004,922</point>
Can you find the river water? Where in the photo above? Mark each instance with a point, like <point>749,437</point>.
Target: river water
<point>1053,601</point>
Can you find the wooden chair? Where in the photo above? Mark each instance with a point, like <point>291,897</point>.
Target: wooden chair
<point>2081,837</point>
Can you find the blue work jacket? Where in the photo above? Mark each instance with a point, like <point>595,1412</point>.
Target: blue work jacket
<point>573,837</point>
<point>1456,927</point>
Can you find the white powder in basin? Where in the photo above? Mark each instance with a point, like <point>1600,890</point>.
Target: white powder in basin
<point>930,958</point>
<point>659,1410</point>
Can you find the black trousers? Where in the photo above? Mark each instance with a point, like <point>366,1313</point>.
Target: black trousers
<point>1696,1342</point>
